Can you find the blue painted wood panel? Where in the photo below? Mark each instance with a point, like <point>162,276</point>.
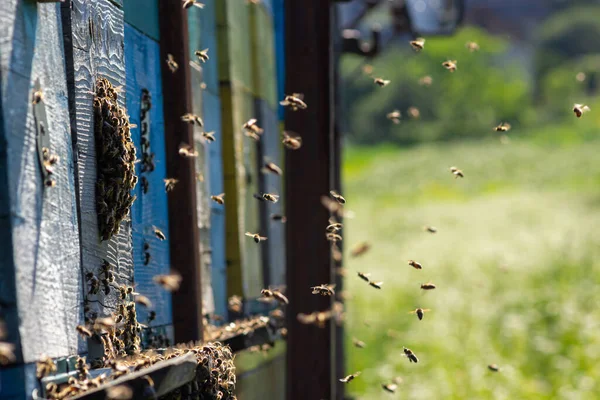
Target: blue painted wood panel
<point>279,18</point>
<point>143,15</point>
<point>143,71</point>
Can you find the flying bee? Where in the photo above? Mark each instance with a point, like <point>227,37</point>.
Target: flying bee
<point>456,172</point>
<point>235,304</point>
<point>158,233</point>
<point>350,377</point>
<point>358,343</point>
<point>276,294</point>
<point>219,199</point>
<point>170,282</point>
<point>170,184</point>
<point>333,226</point>
<point>294,101</point>
<point>7,353</point>
<point>415,264</point>
<point>472,46</point>
<point>143,300</point>
<point>172,64</point>
<point>579,109</point>
<point>381,82</point>
<point>376,285</point>
<point>493,367</point>
<point>420,312</point>
<point>430,229</point>
<point>580,77</point>
<point>192,119</point>
<point>359,249</point>
<point>428,286</point>
<point>273,198</point>
<point>333,237</point>
<point>394,116</point>
<point>291,140</point>
<point>450,65</point>
<point>251,126</point>
<point>279,217</point>
<point>272,168</point>
<point>209,136</point>
<point>503,127</point>
<point>324,289</point>
<point>83,331</point>
<point>364,276</point>
<point>337,197</point>
<point>413,112</point>
<point>389,387</point>
<point>202,55</point>
<point>426,80</point>
<point>191,3</point>
<point>187,150</point>
<point>418,44</point>
<point>411,356</point>
<point>256,237</point>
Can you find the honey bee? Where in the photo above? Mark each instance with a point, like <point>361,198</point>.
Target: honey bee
<point>333,226</point>
<point>272,168</point>
<point>381,82</point>
<point>291,140</point>
<point>503,127</point>
<point>37,96</point>
<point>273,198</point>
<point>44,367</point>
<point>411,356</point>
<point>415,264</point>
<point>359,249</point>
<point>420,312</point>
<point>430,229</point>
<point>428,286</point>
<point>337,197</point>
<point>187,150</point>
<point>450,65</point>
<point>7,353</point>
<point>209,136</point>
<point>103,323</point>
<point>279,217</point>
<point>472,46</point>
<point>350,377</point>
<point>171,63</point>
<point>170,282</point>
<point>158,233</point>
<point>418,44</point>
<point>333,237</point>
<point>364,276</point>
<point>456,172</point>
<point>389,387</point>
<point>202,55</point>
<point>294,101</point>
<point>170,184</point>
<point>426,80</point>
<point>376,285</point>
<point>324,289</point>
<point>493,367</point>
<point>394,116</point>
<point>256,237</point>
<point>191,3</point>
<point>143,300</point>
<point>252,127</point>
<point>579,109</point>
<point>219,199</point>
<point>358,343</point>
<point>119,392</point>
<point>192,119</point>
<point>276,294</point>
<point>83,331</point>
<point>413,112</point>
<point>234,304</point>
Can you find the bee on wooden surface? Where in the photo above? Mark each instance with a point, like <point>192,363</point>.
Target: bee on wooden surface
<point>170,282</point>
<point>418,44</point>
<point>295,101</point>
<point>389,387</point>
<point>450,65</point>
<point>493,367</point>
<point>359,249</point>
<point>192,119</point>
<point>364,276</point>
<point>324,289</point>
<point>271,197</point>
<point>170,184</point>
<point>350,377</point>
<point>94,285</point>
<point>143,300</point>
<point>333,226</point>
<point>337,197</point>
<point>420,312</point>
<point>83,331</point>
<point>376,285</point>
<point>44,367</point>
<point>415,264</point>
<point>413,112</point>
<point>394,116</point>
<point>358,343</point>
<point>192,3</point>
<point>425,80</point>
<point>502,127</point>
<point>256,237</point>
<point>235,304</point>
<point>381,82</point>
<point>428,286</point>
<point>171,63</point>
<point>333,237</point>
<point>202,55</point>
<point>472,46</point>
<point>271,167</point>
<point>291,140</point>
<point>187,150</point>
<point>209,136</point>
<point>7,353</point>
<point>37,96</point>
<point>411,356</point>
<point>219,199</point>
<point>158,233</point>
<point>457,172</point>
<point>580,109</point>
<point>276,294</point>
<point>430,229</point>
<point>279,217</point>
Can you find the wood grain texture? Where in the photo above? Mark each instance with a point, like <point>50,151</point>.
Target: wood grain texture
<point>143,71</point>
<point>96,37</point>
<point>45,261</point>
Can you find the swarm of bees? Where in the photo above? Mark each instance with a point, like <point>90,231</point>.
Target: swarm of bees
<point>115,156</point>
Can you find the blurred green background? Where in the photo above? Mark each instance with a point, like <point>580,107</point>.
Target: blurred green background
<point>516,258</point>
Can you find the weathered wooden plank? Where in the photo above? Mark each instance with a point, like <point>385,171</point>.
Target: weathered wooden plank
<point>143,72</point>
<point>42,251</point>
<point>143,15</point>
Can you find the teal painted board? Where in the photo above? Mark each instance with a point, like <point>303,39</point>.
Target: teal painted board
<point>212,119</point>
<point>203,35</point>
<point>143,71</point>
<point>143,15</point>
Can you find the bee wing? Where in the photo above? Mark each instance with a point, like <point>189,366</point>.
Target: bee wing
<point>298,95</point>
<point>262,237</point>
<point>199,5</point>
<point>250,234</point>
<point>426,309</point>
<point>585,108</point>
<point>196,66</point>
<point>413,312</point>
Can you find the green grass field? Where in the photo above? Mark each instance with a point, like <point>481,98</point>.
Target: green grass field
<point>516,263</point>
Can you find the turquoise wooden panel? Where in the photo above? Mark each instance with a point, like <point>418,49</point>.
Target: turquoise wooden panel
<point>143,15</point>
<point>279,18</point>
<point>203,34</point>
<point>233,24</point>
<point>268,5</point>
<point>143,71</point>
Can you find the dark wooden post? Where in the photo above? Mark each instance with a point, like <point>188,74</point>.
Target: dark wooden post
<point>309,70</point>
<point>183,216</point>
